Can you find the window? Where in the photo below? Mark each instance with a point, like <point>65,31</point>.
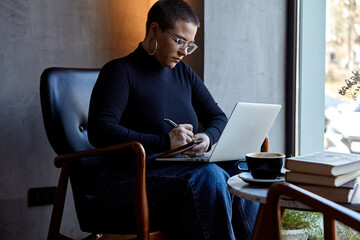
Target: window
<point>342,113</point>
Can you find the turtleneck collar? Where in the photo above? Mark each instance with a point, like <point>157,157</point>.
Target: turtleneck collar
<point>146,58</point>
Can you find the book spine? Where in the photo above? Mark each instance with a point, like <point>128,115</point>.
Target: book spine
<point>298,177</point>
<point>295,177</point>
<point>336,194</point>
<point>319,169</point>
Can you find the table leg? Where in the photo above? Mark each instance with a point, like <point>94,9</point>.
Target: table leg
<point>257,229</point>
<point>282,211</point>
<point>330,229</point>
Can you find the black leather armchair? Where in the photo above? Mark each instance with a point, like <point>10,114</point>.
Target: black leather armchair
<point>65,95</point>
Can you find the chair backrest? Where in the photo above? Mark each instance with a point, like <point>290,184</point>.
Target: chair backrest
<point>65,96</point>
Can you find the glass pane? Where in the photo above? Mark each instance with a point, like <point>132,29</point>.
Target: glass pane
<point>342,113</point>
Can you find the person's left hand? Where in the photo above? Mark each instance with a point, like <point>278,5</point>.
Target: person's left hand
<point>200,148</point>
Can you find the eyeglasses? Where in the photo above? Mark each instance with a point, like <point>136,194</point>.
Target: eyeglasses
<point>183,45</point>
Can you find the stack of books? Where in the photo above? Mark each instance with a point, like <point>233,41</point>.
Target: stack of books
<point>335,176</point>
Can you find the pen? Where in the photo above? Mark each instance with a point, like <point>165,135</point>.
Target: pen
<point>171,122</point>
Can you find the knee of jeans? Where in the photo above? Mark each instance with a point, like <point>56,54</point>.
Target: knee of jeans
<point>212,175</point>
<point>213,171</point>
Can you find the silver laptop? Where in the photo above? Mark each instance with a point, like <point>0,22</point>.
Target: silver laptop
<point>248,125</point>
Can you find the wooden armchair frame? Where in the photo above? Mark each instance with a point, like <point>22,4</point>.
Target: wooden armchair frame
<point>269,224</point>
<point>141,203</point>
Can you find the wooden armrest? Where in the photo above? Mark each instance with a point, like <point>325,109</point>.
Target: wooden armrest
<point>270,222</point>
<point>141,203</point>
<point>265,145</point>
<point>135,146</point>
<point>318,203</point>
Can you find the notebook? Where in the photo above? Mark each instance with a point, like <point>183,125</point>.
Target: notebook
<point>245,131</point>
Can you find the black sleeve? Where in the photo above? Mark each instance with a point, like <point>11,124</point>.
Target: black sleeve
<point>108,102</point>
<point>209,113</point>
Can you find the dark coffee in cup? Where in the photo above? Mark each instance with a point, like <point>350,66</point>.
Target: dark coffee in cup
<point>264,165</point>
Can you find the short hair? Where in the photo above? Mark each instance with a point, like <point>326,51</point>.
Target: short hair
<point>167,12</point>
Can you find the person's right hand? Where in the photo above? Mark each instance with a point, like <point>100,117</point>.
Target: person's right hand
<point>181,135</point>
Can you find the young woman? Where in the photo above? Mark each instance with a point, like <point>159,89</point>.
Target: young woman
<point>129,102</point>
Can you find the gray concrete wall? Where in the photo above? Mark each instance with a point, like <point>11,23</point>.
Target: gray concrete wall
<point>244,60</point>
<point>34,35</point>
<point>245,55</point>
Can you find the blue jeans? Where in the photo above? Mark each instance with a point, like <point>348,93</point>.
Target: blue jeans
<point>190,199</point>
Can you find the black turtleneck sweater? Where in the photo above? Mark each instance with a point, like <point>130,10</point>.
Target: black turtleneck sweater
<point>134,94</point>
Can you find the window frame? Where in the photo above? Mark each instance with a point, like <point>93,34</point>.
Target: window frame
<point>305,76</point>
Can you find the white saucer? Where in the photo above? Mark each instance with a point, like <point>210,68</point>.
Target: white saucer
<point>246,177</point>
